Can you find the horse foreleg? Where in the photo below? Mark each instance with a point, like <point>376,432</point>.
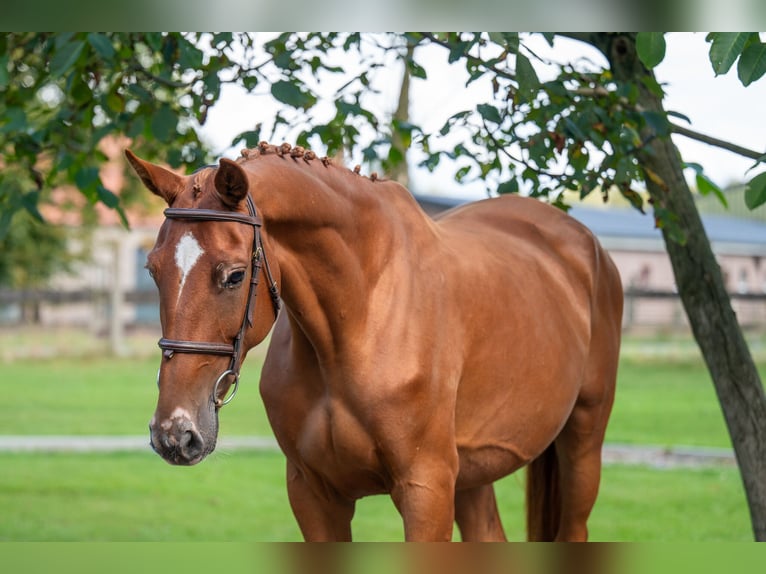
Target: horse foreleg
<point>425,498</point>
<point>322,515</point>
<point>477,516</point>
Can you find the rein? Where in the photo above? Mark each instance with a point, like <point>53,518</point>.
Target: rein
<point>258,261</point>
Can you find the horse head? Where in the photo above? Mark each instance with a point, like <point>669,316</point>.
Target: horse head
<point>218,299</point>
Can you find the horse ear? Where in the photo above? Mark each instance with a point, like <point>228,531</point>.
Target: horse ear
<point>231,182</point>
<point>157,179</point>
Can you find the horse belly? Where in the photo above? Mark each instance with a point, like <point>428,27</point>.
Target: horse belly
<point>511,405</point>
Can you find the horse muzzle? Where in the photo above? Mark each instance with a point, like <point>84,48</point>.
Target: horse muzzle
<point>178,440</point>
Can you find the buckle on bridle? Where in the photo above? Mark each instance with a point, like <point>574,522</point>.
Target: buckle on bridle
<point>234,386</point>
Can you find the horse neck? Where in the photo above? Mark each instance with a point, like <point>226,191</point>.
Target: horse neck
<point>335,235</point>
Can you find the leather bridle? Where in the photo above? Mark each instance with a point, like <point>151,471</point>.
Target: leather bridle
<point>258,262</point>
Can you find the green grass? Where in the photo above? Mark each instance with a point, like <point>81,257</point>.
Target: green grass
<point>137,497</point>
<point>105,397</point>
<point>668,403</point>
<point>240,496</point>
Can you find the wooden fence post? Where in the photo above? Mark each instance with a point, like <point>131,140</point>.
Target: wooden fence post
<point>117,304</point>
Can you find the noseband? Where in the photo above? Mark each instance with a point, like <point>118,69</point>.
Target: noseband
<point>258,261</point>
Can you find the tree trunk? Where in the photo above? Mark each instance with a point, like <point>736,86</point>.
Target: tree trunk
<point>702,290</point>
<point>400,171</point>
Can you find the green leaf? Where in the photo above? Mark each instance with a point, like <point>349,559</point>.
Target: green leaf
<point>462,173</point>
<point>508,40</point>
<point>757,163</point>
<point>190,57</point>
<point>111,200</point>
<point>15,120</point>
<point>102,45</point>
<point>107,197</point>
<point>251,137</point>
<point>653,86</point>
<point>706,186</point>
<point>634,198</point>
<point>164,122</point>
<point>525,74</point>
<point>6,215</point>
<point>489,112</point>
<point>114,101</point>
<point>510,186</point>
<point>752,63</point>
<point>572,130</point>
<point>123,216</point>
<point>212,85</point>
<point>431,162</point>
<point>4,76</point>
<point>458,50</point>
<point>680,116</point>
<point>650,47</point>
<point>726,48</point>
<point>416,70</point>
<point>29,201</point>
<point>395,156</point>
<point>290,94</point>
<point>658,121</point>
<point>755,192</point>
<point>86,177</point>
<point>65,57</point>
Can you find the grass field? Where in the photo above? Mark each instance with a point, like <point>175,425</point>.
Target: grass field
<point>668,403</point>
<point>241,496</point>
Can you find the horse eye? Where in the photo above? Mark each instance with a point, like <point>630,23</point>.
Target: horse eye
<point>235,279</point>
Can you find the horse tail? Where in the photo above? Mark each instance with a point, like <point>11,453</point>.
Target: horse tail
<point>543,497</point>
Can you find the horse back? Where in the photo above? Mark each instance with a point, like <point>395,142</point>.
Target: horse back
<point>534,242</point>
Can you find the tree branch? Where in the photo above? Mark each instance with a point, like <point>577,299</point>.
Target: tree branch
<point>137,67</point>
<point>600,91</point>
<point>473,59</point>
<point>734,148</point>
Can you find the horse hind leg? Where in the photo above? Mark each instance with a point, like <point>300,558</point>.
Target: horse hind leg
<point>579,445</point>
<point>477,516</point>
<point>562,484</point>
<point>578,450</point>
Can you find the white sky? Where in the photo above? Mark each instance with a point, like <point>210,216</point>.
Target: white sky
<point>720,107</point>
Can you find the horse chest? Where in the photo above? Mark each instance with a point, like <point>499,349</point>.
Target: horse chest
<point>333,443</point>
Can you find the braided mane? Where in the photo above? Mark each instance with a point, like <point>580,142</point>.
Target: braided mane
<point>295,152</point>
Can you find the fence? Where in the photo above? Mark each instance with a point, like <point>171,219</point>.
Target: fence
<point>101,311</point>
<point>112,312</point>
<point>662,310</point>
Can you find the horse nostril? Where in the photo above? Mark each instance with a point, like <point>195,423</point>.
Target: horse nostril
<point>191,445</point>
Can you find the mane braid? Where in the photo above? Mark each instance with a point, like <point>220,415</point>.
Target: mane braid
<point>295,152</point>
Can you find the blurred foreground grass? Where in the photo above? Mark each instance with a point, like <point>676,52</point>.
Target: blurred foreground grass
<point>242,497</point>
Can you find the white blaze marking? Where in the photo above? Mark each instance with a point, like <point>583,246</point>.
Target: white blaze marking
<point>188,251</point>
<point>178,414</point>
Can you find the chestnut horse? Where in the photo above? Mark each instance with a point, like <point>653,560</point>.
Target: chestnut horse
<point>421,358</point>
